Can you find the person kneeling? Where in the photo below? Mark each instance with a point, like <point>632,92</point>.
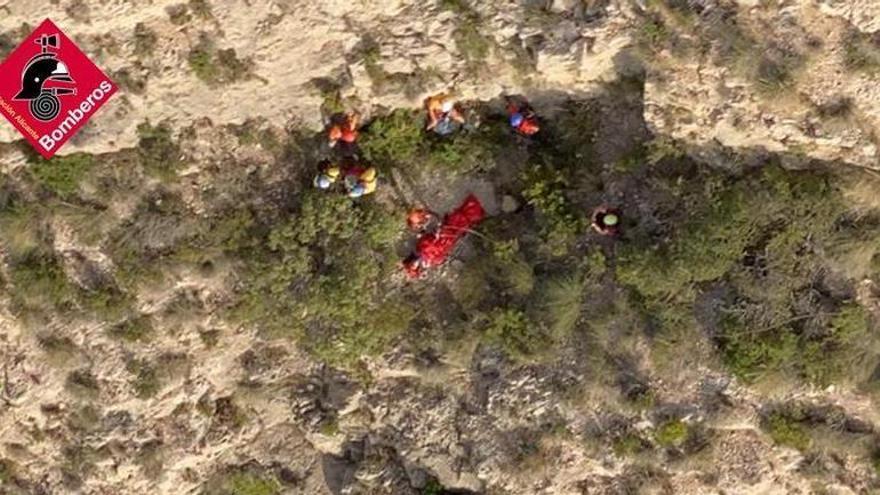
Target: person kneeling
<point>360,181</point>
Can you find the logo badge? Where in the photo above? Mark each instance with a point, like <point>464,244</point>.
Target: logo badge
<point>49,88</point>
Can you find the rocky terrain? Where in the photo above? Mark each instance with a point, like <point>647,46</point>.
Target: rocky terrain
<point>180,312</point>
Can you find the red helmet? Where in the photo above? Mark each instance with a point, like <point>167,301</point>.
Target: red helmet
<point>349,135</point>
<point>529,126</point>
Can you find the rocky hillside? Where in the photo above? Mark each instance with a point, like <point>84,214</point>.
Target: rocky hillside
<point>182,313</point>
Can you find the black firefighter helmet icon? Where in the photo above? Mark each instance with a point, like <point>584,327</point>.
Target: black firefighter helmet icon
<point>45,67</point>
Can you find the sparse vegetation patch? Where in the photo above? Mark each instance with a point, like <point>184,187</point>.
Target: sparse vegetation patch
<point>217,66</point>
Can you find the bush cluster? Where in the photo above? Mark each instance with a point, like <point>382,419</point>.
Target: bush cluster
<point>765,238</point>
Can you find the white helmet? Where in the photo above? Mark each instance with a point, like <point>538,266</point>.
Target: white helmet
<point>447,106</point>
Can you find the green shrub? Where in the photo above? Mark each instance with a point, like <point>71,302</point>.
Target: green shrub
<point>41,285</point>
<point>628,444</point>
<point>210,338</point>
<point>756,234</point>
<point>332,100</point>
<point>573,134</point>
<point>144,40</point>
<point>514,332</point>
<point>217,66</point>
<point>399,139</point>
<point>322,278</point>
<point>201,61</point>
<point>78,460</point>
<point>845,352</point>
<point>562,299</point>
<point>370,334</point>
<point>83,383</point>
<point>26,232</point>
<point>232,233</point>
<point>251,485</point>
<point>545,192</point>
<point>243,482</point>
<point>433,487</point>
<point>107,304</point>
<point>709,243</point>
<point>133,330</point>
<point>661,148</point>
<point>146,381</point>
<point>7,471</point>
<point>330,427</point>
<point>42,289</point>
<point>252,132</point>
<point>875,460</point>
<point>394,139</point>
<point>510,269</point>
<point>472,288</point>
<point>456,6</point>
<point>774,71</point>
<point>129,81</point>
<point>467,152</point>
<point>62,174</point>
<point>471,43</point>
<point>860,51</point>
<point>749,353</point>
<point>158,152</point>
<point>671,433</point>
<point>7,44</point>
<point>836,355</point>
<point>61,348</point>
<point>653,34</point>
<point>787,431</point>
<point>372,57</point>
<point>849,324</point>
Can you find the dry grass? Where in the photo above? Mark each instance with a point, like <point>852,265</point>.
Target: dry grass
<point>861,191</point>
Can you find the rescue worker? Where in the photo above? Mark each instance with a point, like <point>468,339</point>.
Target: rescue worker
<point>346,130</point>
<point>435,244</point>
<point>327,176</point>
<point>606,221</point>
<point>360,181</point>
<point>522,118</point>
<point>444,116</point>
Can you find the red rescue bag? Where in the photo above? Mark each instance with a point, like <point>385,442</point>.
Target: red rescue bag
<point>435,248</point>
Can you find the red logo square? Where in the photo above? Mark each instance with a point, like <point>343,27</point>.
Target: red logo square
<point>49,88</point>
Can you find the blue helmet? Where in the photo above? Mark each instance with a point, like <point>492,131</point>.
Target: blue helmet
<point>357,191</point>
<point>323,182</point>
<point>516,119</point>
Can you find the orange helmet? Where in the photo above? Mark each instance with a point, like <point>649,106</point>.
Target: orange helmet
<point>335,133</point>
<point>417,218</point>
